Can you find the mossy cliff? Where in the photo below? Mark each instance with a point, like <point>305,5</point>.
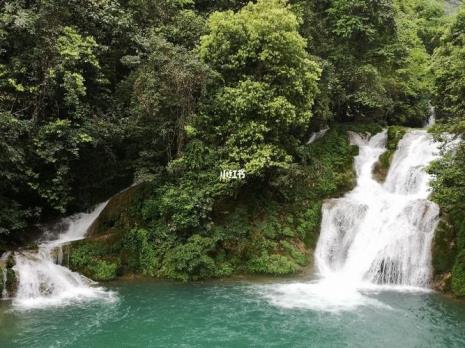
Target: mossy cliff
<point>260,230</point>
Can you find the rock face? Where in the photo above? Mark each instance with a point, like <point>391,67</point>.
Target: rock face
<point>8,281</point>
<point>381,167</point>
<point>117,210</point>
<point>452,6</point>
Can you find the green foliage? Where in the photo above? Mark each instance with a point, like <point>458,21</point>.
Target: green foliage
<point>139,245</point>
<point>444,248</point>
<point>57,144</point>
<point>375,64</point>
<point>13,216</point>
<point>250,117</point>
<point>448,70</point>
<point>362,21</point>
<point>449,183</point>
<point>51,73</point>
<point>91,93</point>
<point>431,22</point>
<point>449,192</point>
<point>90,259</point>
<point>191,233</point>
<point>272,264</point>
<point>103,270</point>
<point>458,275</point>
<point>394,135</point>
<point>449,171</point>
<point>191,260</point>
<point>164,92</point>
<point>266,86</point>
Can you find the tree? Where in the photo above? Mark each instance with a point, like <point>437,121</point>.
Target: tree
<point>261,104</point>
<point>256,107</point>
<point>61,125</point>
<point>449,65</point>
<point>164,96</point>
<point>375,65</point>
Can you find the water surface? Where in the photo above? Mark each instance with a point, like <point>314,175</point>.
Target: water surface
<point>234,314</point>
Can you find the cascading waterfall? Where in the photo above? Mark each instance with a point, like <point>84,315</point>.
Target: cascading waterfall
<point>379,235</point>
<point>42,280</point>
<point>382,233</point>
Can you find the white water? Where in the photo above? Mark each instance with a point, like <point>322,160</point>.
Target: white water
<point>378,236</point>
<point>43,281</point>
<point>317,135</point>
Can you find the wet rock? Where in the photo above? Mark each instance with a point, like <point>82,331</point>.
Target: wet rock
<point>11,282</point>
<point>8,281</point>
<point>118,210</point>
<point>443,282</point>
<point>381,167</point>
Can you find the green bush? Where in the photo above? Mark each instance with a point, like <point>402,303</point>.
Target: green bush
<point>272,264</point>
<point>103,270</point>
<point>94,260</point>
<point>191,260</point>
<point>140,250</point>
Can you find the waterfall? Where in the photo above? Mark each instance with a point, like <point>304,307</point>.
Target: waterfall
<point>42,280</point>
<point>376,237</point>
<point>382,233</point>
<point>317,135</point>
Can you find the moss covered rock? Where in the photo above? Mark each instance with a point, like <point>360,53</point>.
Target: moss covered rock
<point>381,168</point>
<point>11,284</point>
<point>120,210</point>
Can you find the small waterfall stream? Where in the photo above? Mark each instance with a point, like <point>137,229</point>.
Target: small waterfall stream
<point>42,280</point>
<point>378,236</point>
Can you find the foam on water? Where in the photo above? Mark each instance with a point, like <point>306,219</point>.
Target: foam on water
<point>378,236</point>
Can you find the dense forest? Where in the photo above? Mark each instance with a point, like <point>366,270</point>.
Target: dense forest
<point>96,96</point>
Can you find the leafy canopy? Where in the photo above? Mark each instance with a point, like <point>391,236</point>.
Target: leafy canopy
<point>261,102</point>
